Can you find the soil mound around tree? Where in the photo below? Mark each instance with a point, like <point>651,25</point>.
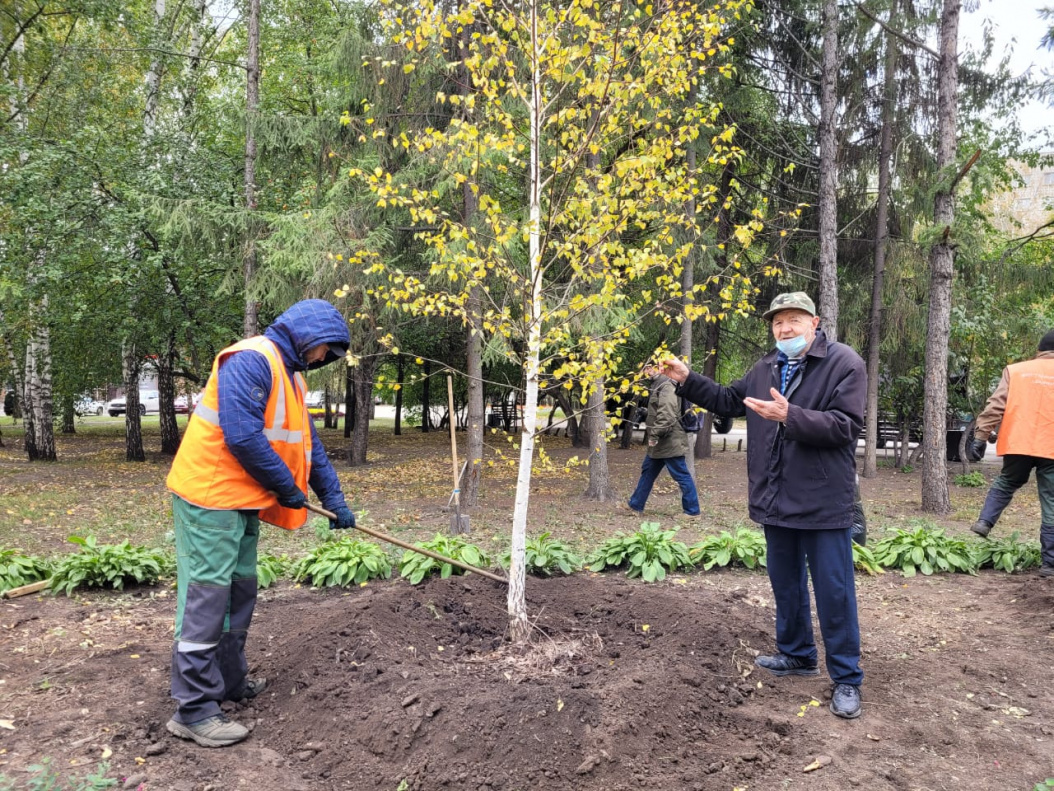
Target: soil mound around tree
<point>624,685</point>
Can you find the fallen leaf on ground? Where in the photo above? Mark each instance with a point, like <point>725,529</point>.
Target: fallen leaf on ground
<point>818,763</point>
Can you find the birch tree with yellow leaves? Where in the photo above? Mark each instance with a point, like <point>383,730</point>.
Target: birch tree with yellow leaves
<point>573,136</point>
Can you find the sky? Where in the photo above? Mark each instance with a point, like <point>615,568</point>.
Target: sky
<point>1017,28</point>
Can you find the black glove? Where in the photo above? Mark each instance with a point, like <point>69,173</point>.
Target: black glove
<point>345,519</point>
<point>292,498</point>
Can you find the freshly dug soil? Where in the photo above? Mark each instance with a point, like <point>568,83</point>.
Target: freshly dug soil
<point>625,685</point>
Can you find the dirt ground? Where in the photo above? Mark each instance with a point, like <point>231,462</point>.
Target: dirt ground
<point>625,685</point>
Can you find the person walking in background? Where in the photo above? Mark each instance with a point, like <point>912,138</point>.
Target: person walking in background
<point>804,404</point>
<point>249,453</point>
<point>1022,409</point>
<point>667,446</point>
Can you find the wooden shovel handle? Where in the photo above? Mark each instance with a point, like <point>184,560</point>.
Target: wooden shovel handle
<point>25,590</point>
<point>427,552</point>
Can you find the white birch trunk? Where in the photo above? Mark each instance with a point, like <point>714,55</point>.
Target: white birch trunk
<point>153,79</point>
<point>38,383</point>
<point>519,627</point>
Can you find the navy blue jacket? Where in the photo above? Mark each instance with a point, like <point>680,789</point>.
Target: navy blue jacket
<point>244,387</point>
<point>801,473</point>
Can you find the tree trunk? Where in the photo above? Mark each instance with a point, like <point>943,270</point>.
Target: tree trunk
<point>252,101</point>
<point>349,403</point>
<point>133,427</point>
<point>38,384</point>
<point>69,416</point>
<point>426,399</point>
<point>874,337</point>
<point>828,263</point>
<point>936,498</point>
<point>519,626</point>
<point>362,383</point>
<point>399,395</point>
<point>687,301</point>
<point>704,443</point>
<point>166,391</point>
<point>599,488</point>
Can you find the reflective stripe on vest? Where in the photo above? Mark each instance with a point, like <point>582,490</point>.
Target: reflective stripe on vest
<point>273,431</point>
<point>1027,428</point>
<point>205,472</point>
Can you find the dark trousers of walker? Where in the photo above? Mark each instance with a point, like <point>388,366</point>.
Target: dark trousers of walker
<point>216,582</point>
<point>793,556</point>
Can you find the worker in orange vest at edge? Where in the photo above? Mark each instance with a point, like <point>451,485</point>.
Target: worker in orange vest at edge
<point>249,453</point>
<point>1022,409</point>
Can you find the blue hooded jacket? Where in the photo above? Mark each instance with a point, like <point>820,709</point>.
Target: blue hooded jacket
<point>244,387</point>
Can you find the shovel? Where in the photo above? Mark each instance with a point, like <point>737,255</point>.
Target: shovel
<point>458,522</point>
<point>429,553</point>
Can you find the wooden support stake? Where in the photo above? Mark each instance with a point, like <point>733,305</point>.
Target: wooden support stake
<point>25,590</point>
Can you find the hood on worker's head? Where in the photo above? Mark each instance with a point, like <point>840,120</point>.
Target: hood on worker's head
<point>307,324</point>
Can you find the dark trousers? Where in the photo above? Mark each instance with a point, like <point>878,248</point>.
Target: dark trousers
<point>827,555</point>
<point>216,582</point>
<point>649,471</point>
<point>1015,473</point>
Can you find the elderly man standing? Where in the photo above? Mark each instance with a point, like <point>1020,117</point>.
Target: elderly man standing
<point>249,454</point>
<point>1022,408</point>
<point>804,404</point>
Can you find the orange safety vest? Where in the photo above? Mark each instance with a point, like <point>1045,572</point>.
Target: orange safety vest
<point>205,472</point>
<point>1028,421</point>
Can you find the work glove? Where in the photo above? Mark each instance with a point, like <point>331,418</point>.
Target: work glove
<point>979,446</point>
<point>345,518</point>
<point>292,498</point>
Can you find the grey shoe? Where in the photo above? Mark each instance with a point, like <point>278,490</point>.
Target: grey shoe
<point>249,689</point>
<point>845,702</point>
<point>982,528</point>
<point>1046,571</point>
<point>216,731</point>
<point>783,665</point>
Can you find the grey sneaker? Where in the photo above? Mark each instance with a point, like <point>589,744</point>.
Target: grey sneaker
<point>216,731</point>
<point>783,665</point>
<point>249,689</point>
<point>1046,571</point>
<point>845,702</point>
<point>982,528</point>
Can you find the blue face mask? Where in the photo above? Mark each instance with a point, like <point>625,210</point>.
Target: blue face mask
<point>792,347</point>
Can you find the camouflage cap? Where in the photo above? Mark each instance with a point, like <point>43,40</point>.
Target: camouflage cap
<point>794,300</point>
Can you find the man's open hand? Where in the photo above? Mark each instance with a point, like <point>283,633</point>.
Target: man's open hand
<point>776,409</point>
<point>674,368</point>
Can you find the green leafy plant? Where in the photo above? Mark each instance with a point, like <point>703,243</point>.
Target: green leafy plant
<point>649,553</point>
<point>270,569</point>
<point>17,569</point>
<point>109,565</point>
<point>971,480</point>
<point>44,778</point>
<point>342,562</point>
<point>415,566</point>
<point>1044,785</point>
<point>925,549</point>
<point>745,546</point>
<point>864,560</point>
<point>1007,554</point>
<point>545,555</point>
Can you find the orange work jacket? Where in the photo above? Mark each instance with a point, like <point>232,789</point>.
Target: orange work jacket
<point>1028,422</point>
<point>205,472</point>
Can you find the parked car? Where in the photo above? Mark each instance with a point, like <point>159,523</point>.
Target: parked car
<point>149,402</point>
<point>86,405</point>
<point>316,404</point>
<point>182,405</point>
